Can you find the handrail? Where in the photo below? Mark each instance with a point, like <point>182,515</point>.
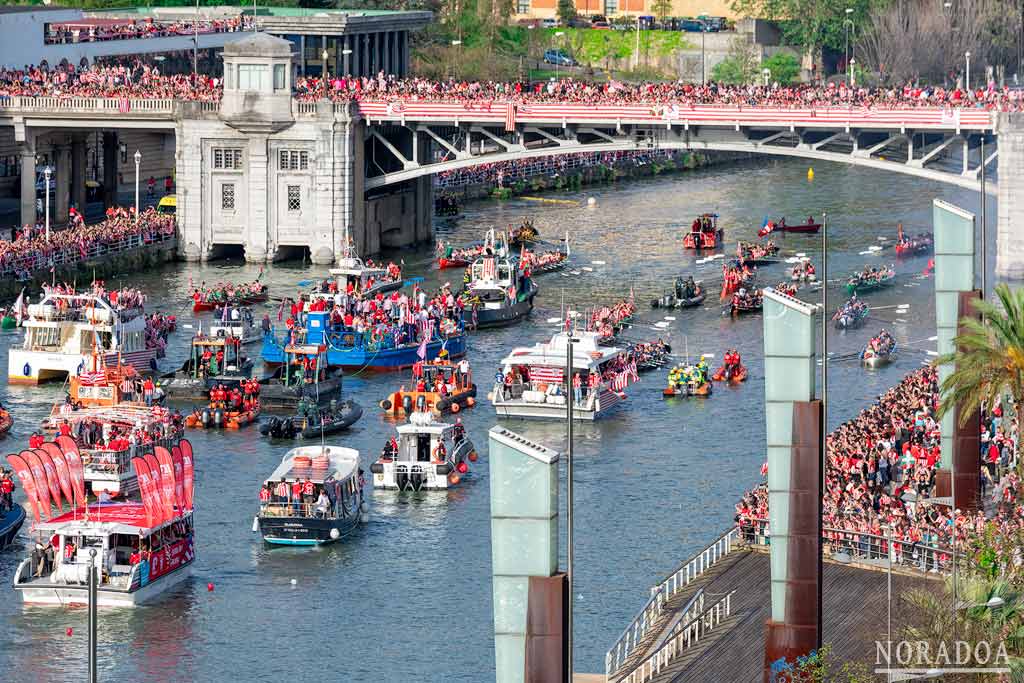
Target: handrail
<point>685,574</point>
<point>690,634</point>
<point>24,267</point>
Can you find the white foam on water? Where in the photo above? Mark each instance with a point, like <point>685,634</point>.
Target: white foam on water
<point>554,321</point>
<point>932,353</point>
<point>865,253</point>
<point>801,253</point>
<point>661,324</point>
<point>668,317</point>
<point>933,339</point>
<point>588,269</point>
<point>598,263</point>
<point>874,248</point>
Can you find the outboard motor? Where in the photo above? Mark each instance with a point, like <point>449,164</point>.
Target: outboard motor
<point>401,480</point>
<point>407,404</point>
<point>205,418</point>
<point>218,418</point>
<point>421,403</point>
<point>416,480</point>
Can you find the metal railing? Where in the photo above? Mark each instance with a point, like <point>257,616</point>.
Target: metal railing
<point>303,510</point>
<point>688,635</point>
<point>24,267</point>
<point>844,545</point>
<point>683,576</point>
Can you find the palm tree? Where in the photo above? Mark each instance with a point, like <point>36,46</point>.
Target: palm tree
<point>988,360</point>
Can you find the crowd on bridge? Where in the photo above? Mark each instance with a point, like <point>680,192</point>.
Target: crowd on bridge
<point>90,30</point>
<point>131,79</point>
<point>31,250</point>
<point>882,464</point>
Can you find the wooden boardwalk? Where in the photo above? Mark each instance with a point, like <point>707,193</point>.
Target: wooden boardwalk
<point>854,617</point>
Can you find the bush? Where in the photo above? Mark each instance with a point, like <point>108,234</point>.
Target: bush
<point>784,67</point>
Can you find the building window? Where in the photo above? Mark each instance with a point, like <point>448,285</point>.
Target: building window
<point>611,7</point>
<point>227,159</point>
<point>253,77</point>
<point>279,77</point>
<point>294,198</point>
<point>227,197</point>
<point>293,160</point>
<point>522,6</point>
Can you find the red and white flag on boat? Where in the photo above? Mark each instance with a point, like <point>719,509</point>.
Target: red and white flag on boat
<point>547,374</point>
<point>764,470</point>
<point>490,268</point>
<point>90,379</point>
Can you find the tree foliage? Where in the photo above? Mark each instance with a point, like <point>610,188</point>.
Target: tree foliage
<point>809,24</point>
<point>566,11</point>
<point>661,9</point>
<point>784,67</point>
<point>739,67</point>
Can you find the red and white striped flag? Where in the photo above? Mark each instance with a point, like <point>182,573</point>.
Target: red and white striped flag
<point>490,268</point>
<point>510,116</point>
<point>764,470</point>
<point>88,379</point>
<point>124,105</point>
<point>544,373</point>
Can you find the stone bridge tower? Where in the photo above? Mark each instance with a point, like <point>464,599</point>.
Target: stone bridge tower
<point>273,175</point>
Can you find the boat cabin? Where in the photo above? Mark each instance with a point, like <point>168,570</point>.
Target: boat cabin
<point>353,277</point>
<point>429,453</point>
<point>304,364</point>
<point>134,560</point>
<point>214,356</point>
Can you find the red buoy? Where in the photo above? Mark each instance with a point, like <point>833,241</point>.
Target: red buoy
<point>456,407</point>
<point>462,468</point>
<point>209,587</point>
<point>472,456</point>
<point>453,479</point>
<point>70,631</point>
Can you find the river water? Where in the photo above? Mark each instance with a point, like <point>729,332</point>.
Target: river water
<point>408,598</point>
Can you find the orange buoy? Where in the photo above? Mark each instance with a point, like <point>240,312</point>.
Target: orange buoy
<point>453,479</point>
<point>472,456</point>
<point>470,401</point>
<point>456,407</point>
<point>209,587</point>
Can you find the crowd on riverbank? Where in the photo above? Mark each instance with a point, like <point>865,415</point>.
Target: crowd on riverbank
<point>883,462</point>
<point>32,250</point>
<point>90,30</point>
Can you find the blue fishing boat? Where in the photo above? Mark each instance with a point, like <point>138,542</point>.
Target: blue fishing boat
<point>346,349</point>
<point>10,523</point>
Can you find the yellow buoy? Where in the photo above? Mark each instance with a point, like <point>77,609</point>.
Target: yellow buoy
<point>810,174</point>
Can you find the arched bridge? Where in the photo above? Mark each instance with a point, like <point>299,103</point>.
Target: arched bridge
<point>934,143</point>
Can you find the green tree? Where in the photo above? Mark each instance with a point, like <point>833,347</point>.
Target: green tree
<point>661,9</point>
<point>989,359</point>
<point>784,67</point>
<point>809,24</point>
<point>566,11</point>
<point>739,67</point>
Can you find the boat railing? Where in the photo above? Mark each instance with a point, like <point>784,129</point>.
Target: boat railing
<point>19,573</point>
<point>103,461</point>
<point>844,545</point>
<point>691,632</point>
<point>297,509</point>
<point>683,576</point>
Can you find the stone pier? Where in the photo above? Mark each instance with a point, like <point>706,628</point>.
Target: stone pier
<point>1010,224</point>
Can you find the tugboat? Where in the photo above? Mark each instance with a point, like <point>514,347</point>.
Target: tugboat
<point>498,292</point>
<point>438,386</point>
<point>704,233</point>
<point>138,550</point>
<point>532,382</point>
<point>214,361</point>
<point>427,455</point>
<point>685,294</point>
<point>314,497</point>
<point>63,330</point>
<point>311,421</point>
<point>237,322</point>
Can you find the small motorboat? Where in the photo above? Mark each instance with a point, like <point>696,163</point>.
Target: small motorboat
<point>754,254</point>
<point>913,246</point>
<point>427,455</point>
<point>689,380</point>
<point>704,233</point>
<point>879,351</point>
<point>870,279</point>
<point>499,292</point>
<point>236,322</point>
<point>6,421</point>
<point>781,226</point>
<point>459,390</point>
<point>454,262</point>
<point>746,302</point>
<point>312,423</point>
<point>732,370</point>
<point>10,522</point>
<point>683,295</point>
<point>329,505</point>
<point>216,416</point>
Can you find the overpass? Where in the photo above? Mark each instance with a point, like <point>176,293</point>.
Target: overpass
<point>312,174</point>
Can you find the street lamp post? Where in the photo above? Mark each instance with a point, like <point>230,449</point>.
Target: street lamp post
<point>703,61</point>
<point>569,414</point>
<point>138,159</point>
<point>848,26</point>
<point>558,58</point>
<point>323,66</point>
<point>455,43</point>
<point>853,74</point>
<point>636,53</point>
<point>195,43</point>
<point>766,73</point>
<point>47,172</point>
<point>967,78</point>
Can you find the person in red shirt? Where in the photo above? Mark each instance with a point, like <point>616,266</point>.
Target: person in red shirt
<point>296,496</point>
<point>308,497</point>
<point>264,495</point>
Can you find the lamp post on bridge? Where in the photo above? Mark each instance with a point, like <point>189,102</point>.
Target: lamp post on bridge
<point>558,59</point>
<point>47,172</point>
<point>967,76</point>
<point>451,71</point>
<point>849,26</point>
<point>323,67</point>
<point>766,73</point>
<point>138,160</point>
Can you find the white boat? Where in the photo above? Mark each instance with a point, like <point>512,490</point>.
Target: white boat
<point>498,292</point>
<point>135,561</point>
<point>365,280</point>
<point>238,323</point>
<point>430,455</point>
<point>333,471</point>
<point>539,386</point>
<point>63,331</point>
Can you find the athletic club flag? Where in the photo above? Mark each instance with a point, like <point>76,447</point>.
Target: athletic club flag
<point>124,105</point>
<point>510,116</point>
<point>764,470</point>
<point>422,351</point>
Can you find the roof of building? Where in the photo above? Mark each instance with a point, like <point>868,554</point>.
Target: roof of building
<point>258,45</point>
<point>25,9</point>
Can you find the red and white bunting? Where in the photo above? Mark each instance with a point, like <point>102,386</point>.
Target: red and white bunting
<point>547,374</point>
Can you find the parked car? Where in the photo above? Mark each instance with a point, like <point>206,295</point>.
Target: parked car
<point>549,23</point>
<point>600,25</point>
<point>579,22</point>
<point>712,24</point>
<point>693,26</point>
<point>646,22</point>
<point>559,57</point>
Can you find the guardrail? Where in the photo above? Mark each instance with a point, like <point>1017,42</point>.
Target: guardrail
<point>689,635</point>
<point>660,595</point>
<point>24,267</point>
<point>856,546</point>
<point>88,105</point>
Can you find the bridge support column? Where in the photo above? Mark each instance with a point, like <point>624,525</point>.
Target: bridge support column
<point>110,152</point>
<point>27,152</point>
<point>78,194</point>
<point>256,236</point>
<point>62,186</point>
<point>1010,217</point>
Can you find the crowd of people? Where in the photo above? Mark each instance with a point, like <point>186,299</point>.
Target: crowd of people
<point>850,314</point>
<point>133,79</point>
<point>221,293</point>
<point>608,320</point>
<point>31,251</point>
<point>754,251</point>
<point>882,464</point>
<point>93,30</point>
<point>870,276</point>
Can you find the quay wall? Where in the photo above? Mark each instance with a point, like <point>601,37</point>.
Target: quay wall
<point>104,266</point>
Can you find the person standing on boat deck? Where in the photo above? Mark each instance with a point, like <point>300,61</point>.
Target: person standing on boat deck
<point>323,504</point>
<point>296,499</point>
<point>147,391</point>
<point>464,373</point>
<point>264,495</point>
<point>577,388</point>
<point>6,491</point>
<point>281,492</point>
<point>308,497</point>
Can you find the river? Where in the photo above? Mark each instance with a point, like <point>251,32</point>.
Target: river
<point>408,598</point>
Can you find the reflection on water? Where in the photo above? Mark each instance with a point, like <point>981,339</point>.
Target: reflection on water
<point>408,597</point>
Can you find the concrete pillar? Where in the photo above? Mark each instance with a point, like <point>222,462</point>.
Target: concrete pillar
<point>62,185</point>
<point>385,51</point>
<point>396,65</point>
<point>377,62</point>
<point>357,55</point>
<point>110,157</point>
<point>78,194</point>
<point>346,59</point>
<point>256,236</point>
<point>27,152</point>
<point>1010,212</point>
<point>405,53</point>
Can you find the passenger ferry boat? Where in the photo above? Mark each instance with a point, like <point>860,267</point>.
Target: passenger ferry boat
<point>430,455</point>
<point>238,323</point>
<point>63,330</point>
<point>333,511</point>
<point>138,550</point>
<point>538,382</point>
<point>499,292</point>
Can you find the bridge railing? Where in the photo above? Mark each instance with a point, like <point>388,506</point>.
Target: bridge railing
<point>89,105</point>
<point>23,268</point>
